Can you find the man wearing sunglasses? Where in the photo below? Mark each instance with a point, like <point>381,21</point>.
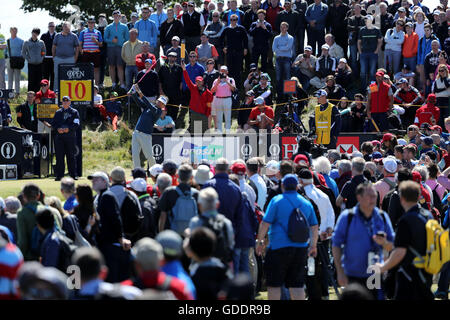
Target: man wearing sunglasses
<point>194,24</point>
<point>33,50</point>
<point>47,67</point>
<point>44,92</point>
<point>90,42</point>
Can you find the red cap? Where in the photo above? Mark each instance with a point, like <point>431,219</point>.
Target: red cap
<point>301,157</point>
<point>198,78</point>
<point>238,168</point>
<point>184,3</point>
<point>44,81</point>
<point>416,176</point>
<point>436,127</point>
<point>379,73</point>
<point>375,142</point>
<point>387,137</point>
<point>431,97</point>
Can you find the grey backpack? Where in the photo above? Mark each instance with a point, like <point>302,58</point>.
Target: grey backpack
<point>185,208</point>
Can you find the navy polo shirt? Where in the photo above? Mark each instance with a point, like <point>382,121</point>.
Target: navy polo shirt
<point>349,190</point>
<point>357,241</point>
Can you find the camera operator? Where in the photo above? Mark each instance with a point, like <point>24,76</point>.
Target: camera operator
<point>326,121</point>
<point>252,78</point>
<point>248,105</point>
<point>264,89</point>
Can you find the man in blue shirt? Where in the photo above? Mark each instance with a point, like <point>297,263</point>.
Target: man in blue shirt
<point>364,231</point>
<point>158,18</point>
<point>165,123</point>
<point>68,192</point>
<point>316,15</point>
<point>142,135</point>
<point>172,244</point>
<point>66,122</point>
<point>148,30</point>
<point>285,260</point>
<point>116,34</point>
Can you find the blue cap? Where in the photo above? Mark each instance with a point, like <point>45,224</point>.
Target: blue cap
<point>376,155</point>
<point>290,180</point>
<point>320,93</point>
<point>149,61</point>
<point>447,142</point>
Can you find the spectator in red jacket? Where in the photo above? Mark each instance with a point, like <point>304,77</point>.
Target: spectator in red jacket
<point>45,92</point>
<point>200,103</point>
<point>408,96</point>
<point>428,113</point>
<point>144,55</point>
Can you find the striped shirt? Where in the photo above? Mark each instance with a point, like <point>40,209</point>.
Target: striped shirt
<point>86,37</point>
<point>10,261</point>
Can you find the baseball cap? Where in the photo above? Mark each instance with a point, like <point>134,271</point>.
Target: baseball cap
<point>259,100</point>
<point>379,74</point>
<point>390,164</point>
<point>99,174</point>
<point>402,80</point>
<point>272,167</point>
<point>387,137</point>
<point>320,93</point>
<point>198,78</point>
<point>308,48</point>
<point>118,174</point>
<point>114,94</point>
<point>134,14</point>
<point>172,54</point>
<point>386,76</point>
<point>253,66</point>
<point>375,142</point>
<point>401,9</point>
<point>163,100</point>
<point>238,168</point>
<point>402,142</point>
<point>44,81</point>
<point>170,167</point>
<point>416,176</point>
<point>305,174</point>
<point>66,98</point>
<point>368,17</point>
<point>202,174</point>
<point>326,47</point>
<point>265,75</point>
<point>149,61</point>
<point>301,158</point>
<point>408,24</point>
<point>224,68</point>
<point>289,180</point>
<point>148,253</point>
<point>427,140</point>
<point>91,19</point>
<point>343,60</point>
<point>436,127</point>
<point>102,15</point>
<point>176,38</point>
<point>431,97</point>
<point>171,243</point>
<point>156,169</point>
<point>116,12</point>
<point>357,154</point>
<point>139,185</point>
<point>436,12</point>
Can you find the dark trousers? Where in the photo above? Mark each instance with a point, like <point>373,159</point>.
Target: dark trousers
<point>34,77</point>
<point>234,63</point>
<point>103,64</point>
<point>381,119</point>
<point>342,40</point>
<point>48,72</point>
<point>409,286</point>
<point>118,262</point>
<point>191,43</point>
<point>65,147</point>
<point>317,284</point>
<point>408,116</point>
<point>316,37</point>
<point>300,41</point>
<point>260,52</point>
<point>377,294</point>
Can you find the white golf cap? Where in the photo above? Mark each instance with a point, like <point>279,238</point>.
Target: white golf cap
<point>390,164</point>
<point>139,185</point>
<point>156,169</point>
<point>163,99</point>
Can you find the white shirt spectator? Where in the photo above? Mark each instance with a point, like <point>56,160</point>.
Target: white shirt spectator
<point>323,204</point>
<point>262,189</point>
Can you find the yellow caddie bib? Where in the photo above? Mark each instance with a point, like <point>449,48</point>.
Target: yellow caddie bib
<point>323,124</point>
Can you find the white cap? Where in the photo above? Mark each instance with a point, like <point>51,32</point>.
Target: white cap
<point>325,46</point>
<point>163,100</point>
<point>259,100</point>
<point>99,174</point>
<point>390,164</point>
<point>343,60</point>
<point>402,142</point>
<point>224,68</point>
<point>272,167</point>
<point>156,169</point>
<point>357,154</point>
<point>139,185</point>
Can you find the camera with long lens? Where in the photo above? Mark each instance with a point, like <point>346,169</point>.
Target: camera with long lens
<point>222,75</point>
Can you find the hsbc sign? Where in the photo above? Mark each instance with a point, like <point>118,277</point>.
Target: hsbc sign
<point>348,144</point>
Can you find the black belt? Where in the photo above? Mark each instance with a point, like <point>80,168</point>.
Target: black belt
<point>223,97</point>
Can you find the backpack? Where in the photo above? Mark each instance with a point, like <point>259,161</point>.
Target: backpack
<point>391,184</point>
<point>251,215</point>
<point>131,214</point>
<point>253,185</point>
<point>328,192</point>
<point>66,250</point>
<point>217,225</point>
<point>437,250</point>
<point>298,226</point>
<point>183,211</point>
<point>438,209</point>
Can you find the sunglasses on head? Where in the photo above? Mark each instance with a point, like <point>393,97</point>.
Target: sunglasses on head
<point>233,19</point>
<point>210,63</point>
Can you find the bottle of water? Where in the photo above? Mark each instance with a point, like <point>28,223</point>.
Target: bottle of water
<point>311,266</point>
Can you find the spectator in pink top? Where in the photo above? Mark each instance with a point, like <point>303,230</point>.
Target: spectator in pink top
<point>223,87</point>
<point>432,182</point>
<point>388,182</point>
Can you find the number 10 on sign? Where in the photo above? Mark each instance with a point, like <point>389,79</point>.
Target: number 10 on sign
<point>79,90</point>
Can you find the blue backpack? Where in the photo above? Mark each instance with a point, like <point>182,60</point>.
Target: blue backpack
<point>184,210</point>
<point>298,225</point>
